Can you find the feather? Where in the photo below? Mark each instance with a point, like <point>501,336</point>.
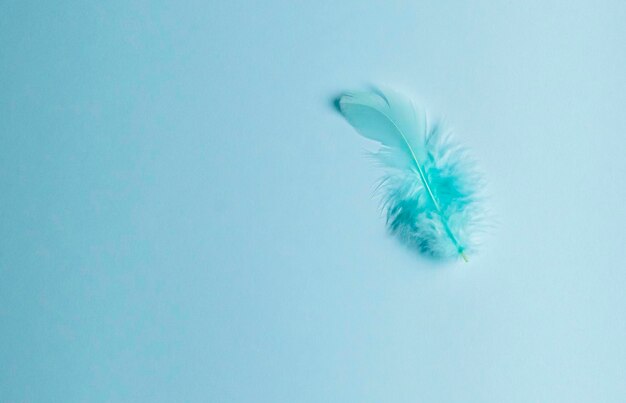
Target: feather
<point>431,191</point>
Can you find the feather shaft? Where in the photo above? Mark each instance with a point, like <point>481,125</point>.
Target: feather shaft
<point>423,179</point>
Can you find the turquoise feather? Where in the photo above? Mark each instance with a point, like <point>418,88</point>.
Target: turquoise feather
<point>431,192</point>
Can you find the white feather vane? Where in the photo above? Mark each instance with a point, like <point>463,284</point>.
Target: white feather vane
<point>431,191</point>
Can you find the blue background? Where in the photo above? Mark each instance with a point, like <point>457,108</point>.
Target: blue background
<point>184,217</point>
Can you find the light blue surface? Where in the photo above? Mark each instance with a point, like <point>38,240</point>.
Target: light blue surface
<point>185,218</point>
